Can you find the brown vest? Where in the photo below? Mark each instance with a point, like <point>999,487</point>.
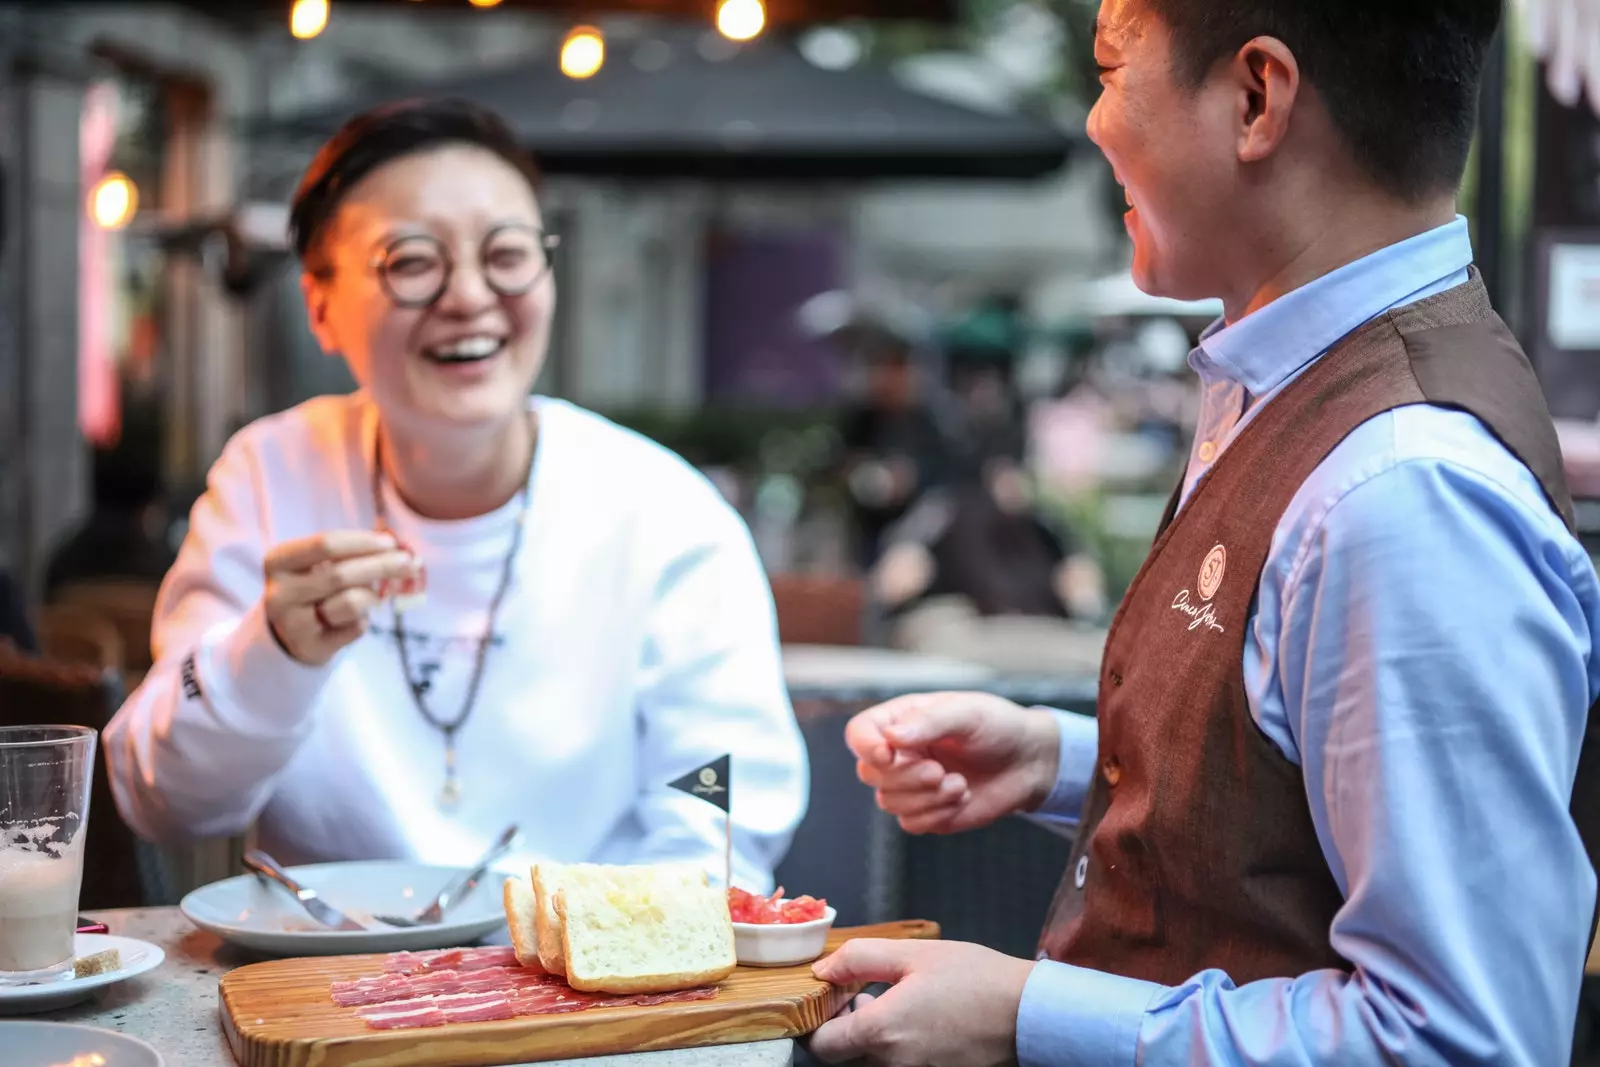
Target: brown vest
<point>1197,848</point>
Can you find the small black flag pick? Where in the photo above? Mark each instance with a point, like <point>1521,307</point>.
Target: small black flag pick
<point>709,783</point>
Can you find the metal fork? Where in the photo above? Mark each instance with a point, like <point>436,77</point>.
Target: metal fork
<point>457,889</point>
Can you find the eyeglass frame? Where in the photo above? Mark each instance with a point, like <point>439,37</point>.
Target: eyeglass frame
<point>547,243</point>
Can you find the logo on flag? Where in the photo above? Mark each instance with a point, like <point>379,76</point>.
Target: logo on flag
<point>709,783</point>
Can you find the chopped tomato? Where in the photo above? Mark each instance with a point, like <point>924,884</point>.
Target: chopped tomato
<point>746,907</point>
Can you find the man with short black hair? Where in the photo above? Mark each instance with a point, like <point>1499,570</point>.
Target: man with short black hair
<point>1337,804</point>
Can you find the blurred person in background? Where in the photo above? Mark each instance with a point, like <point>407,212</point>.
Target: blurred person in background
<point>978,569</point>
<point>14,624</point>
<point>125,533</point>
<point>894,446</point>
<point>594,619</point>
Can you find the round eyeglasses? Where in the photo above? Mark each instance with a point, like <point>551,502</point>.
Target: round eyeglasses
<point>415,270</point>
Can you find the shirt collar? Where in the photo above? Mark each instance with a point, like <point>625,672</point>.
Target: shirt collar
<point>1264,349</point>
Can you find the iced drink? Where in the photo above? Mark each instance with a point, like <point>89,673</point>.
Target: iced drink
<point>45,772</point>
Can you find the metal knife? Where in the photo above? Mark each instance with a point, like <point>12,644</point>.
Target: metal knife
<point>319,909</point>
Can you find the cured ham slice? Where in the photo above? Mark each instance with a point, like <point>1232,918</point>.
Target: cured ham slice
<point>384,988</point>
<point>453,959</point>
<point>405,1020</point>
<point>473,985</point>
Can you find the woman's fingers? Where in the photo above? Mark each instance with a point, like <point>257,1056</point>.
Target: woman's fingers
<point>331,577</point>
<point>307,552</point>
<point>321,589</point>
<point>347,608</point>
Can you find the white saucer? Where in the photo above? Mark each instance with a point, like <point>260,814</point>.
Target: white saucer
<point>262,916</point>
<point>33,1043</point>
<point>137,958</point>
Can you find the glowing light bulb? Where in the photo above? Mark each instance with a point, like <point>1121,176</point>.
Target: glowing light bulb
<point>308,18</point>
<point>583,53</point>
<point>113,201</point>
<point>741,20</point>
<point>483,3</point>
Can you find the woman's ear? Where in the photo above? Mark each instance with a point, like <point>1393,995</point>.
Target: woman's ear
<point>315,292</point>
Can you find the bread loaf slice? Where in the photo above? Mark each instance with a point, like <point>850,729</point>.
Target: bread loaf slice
<point>642,929</point>
<point>521,906</point>
<point>548,879</point>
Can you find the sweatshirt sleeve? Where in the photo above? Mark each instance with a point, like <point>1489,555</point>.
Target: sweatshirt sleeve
<point>196,748</point>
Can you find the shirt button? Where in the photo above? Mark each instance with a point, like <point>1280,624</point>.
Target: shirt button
<point>1112,768</point>
<point>1080,875</point>
<point>1208,451</point>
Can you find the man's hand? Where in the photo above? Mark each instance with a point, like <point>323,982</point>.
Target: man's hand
<point>952,1004</point>
<point>320,589</point>
<point>948,762</point>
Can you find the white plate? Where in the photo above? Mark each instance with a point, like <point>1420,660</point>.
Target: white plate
<point>31,1043</point>
<point>137,958</point>
<point>262,916</point>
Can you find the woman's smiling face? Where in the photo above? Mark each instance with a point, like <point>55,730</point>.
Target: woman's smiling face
<point>458,220</point>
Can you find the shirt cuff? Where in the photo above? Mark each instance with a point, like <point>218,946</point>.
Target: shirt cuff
<point>1080,748</point>
<point>252,683</point>
<point>1076,1017</point>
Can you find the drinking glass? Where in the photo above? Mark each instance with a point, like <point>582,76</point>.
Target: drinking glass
<point>45,774</point>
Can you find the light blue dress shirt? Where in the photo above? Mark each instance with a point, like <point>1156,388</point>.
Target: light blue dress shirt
<point>1422,647</point>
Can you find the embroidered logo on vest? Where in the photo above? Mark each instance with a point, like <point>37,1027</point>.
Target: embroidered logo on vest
<point>1204,613</point>
<point>1211,572</point>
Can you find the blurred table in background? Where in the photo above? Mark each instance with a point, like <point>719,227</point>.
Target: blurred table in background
<point>864,676</point>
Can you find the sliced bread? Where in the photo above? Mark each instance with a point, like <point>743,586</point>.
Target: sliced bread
<point>548,879</point>
<point>642,929</point>
<point>521,905</point>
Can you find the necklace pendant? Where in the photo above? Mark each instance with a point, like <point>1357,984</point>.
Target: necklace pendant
<point>450,795</point>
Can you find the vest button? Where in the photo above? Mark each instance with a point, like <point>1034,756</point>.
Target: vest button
<point>1081,874</point>
<point>1112,769</point>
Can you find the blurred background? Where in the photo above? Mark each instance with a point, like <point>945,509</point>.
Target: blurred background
<point>855,259</point>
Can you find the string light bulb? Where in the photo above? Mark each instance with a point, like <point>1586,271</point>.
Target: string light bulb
<point>113,201</point>
<point>741,20</point>
<point>583,53</point>
<point>307,18</point>
<point>483,3</point>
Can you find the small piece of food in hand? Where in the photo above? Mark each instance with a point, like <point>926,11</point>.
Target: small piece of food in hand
<point>744,907</point>
<point>100,963</point>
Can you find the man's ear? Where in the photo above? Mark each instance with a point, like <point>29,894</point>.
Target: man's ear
<point>315,292</point>
<point>1268,80</point>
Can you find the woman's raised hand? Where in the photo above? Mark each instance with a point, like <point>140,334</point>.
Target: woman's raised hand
<point>320,589</point>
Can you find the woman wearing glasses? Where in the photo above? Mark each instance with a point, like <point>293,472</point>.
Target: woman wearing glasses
<point>593,621</point>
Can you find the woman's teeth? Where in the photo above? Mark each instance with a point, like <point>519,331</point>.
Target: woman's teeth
<point>469,350</point>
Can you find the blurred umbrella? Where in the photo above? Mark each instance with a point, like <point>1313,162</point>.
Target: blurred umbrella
<point>684,102</point>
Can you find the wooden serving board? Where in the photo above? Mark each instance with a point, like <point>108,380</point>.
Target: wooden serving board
<point>279,1014</point>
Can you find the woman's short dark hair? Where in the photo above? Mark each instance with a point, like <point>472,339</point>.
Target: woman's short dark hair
<point>381,135</point>
<point>1400,80</point>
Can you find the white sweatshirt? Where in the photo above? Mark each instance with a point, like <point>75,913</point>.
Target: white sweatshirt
<point>637,641</point>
